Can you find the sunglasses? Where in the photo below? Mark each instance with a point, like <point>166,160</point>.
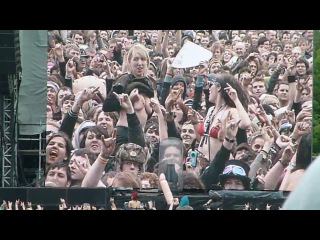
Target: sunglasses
<point>213,82</point>
<point>236,170</point>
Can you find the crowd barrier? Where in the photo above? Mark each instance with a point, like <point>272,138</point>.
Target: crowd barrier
<point>49,198</point>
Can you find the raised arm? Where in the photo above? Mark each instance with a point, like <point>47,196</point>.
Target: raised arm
<point>164,49</point>
<point>159,42</point>
<point>163,131</point>
<point>70,119</point>
<point>272,177</point>
<point>262,160</point>
<point>211,174</point>
<point>135,134</point>
<point>94,174</point>
<point>244,117</point>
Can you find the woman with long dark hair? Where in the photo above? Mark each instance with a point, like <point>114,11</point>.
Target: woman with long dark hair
<point>229,98</point>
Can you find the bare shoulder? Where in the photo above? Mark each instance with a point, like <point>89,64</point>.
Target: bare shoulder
<point>233,111</point>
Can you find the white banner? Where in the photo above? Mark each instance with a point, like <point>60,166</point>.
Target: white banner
<point>191,55</point>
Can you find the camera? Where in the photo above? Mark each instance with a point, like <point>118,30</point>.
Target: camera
<point>193,155</point>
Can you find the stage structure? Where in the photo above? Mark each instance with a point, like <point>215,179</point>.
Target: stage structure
<point>10,75</point>
<point>22,113</point>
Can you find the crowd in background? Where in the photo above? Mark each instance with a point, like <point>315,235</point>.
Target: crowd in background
<point>119,113</point>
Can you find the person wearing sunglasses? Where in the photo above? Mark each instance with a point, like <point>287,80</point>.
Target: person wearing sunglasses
<point>235,176</point>
<point>229,98</point>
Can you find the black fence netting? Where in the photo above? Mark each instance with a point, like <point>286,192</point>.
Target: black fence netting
<point>49,198</point>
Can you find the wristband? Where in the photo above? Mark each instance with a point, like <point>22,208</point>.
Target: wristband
<point>285,165</point>
<point>103,160</point>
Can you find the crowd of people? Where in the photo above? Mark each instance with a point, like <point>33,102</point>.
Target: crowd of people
<point>119,113</point>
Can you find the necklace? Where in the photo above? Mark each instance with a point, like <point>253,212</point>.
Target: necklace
<point>211,117</point>
<point>207,124</point>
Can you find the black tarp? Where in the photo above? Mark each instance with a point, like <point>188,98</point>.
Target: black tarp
<point>49,198</point>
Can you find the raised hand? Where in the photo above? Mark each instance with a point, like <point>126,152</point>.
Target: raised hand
<point>246,206</point>
<point>106,68</point>
<point>84,166</point>
<point>203,68</point>
<point>107,147</point>
<point>58,50</point>
<point>193,116</point>
<point>70,67</point>
<point>291,69</point>
<point>262,116</point>
<point>134,95</point>
<point>39,207</point>
<point>175,201</point>
<point>23,206</point>
<point>9,205</point>
<point>155,105</point>
<point>299,86</point>
<point>232,93</point>
<point>283,141</point>
<point>303,114</point>
<point>29,206</point>
<point>300,128</point>
<point>17,204</point>
<point>231,127</point>
<point>260,178</point>
<point>87,94</point>
<point>287,155</point>
<point>291,117</point>
<point>125,102</point>
<point>267,134</point>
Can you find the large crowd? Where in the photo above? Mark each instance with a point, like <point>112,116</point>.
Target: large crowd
<point>120,114</point>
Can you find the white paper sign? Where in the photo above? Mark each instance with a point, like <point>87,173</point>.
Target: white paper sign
<point>89,81</point>
<point>191,55</point>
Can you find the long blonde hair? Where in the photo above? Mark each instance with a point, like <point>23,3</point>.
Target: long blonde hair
<point>138,49</point>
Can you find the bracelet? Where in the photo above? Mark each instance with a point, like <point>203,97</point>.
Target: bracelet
<point>229,140</point>
<point>285,165</point>
<point>103,160</point>
<point>263,151</point>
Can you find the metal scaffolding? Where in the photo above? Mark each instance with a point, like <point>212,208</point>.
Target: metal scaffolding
<point>31,148</point>
<point>9,133</point>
